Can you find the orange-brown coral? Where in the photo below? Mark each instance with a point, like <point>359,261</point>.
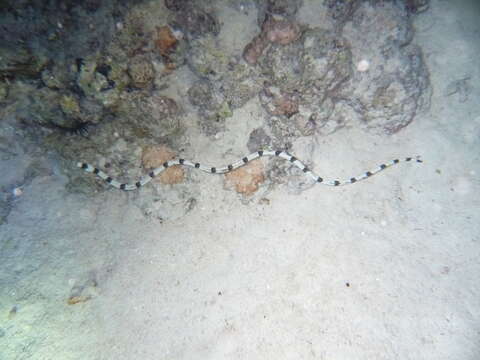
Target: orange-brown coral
<point>165,40</point>
<point>155,156</point>
<point>284,105</point>
<point>280,31</point>
<point>246,179</point>
<point>274,30</point>
<point>255,48</point>
<point>277,102</point>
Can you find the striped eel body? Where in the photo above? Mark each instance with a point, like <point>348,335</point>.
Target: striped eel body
<point>225,169</point>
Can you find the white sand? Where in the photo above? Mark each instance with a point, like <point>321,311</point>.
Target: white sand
<point>268,281</point>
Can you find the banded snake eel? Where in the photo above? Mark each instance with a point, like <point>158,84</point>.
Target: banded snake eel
<point>245,160</point>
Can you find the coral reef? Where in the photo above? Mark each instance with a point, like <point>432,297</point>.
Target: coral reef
<point>358,68</point>
<point>396,86</point>
<point>316,68</point>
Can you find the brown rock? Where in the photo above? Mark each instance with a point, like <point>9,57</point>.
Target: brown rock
<point>277,102</point>
<point>141,72</point>
<point>285,105</point>
<point>247,178</point>
<point>280,31</point>
<point>155,156</point>
<point>165,40</point>
<point>277,31</point>
<point>254,49</point>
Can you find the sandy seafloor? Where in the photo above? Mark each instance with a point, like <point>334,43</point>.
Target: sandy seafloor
<point>236,280</point>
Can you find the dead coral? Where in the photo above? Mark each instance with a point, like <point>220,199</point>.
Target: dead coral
<point>141,72</point>
<point>165,41</point>
<point>149,116</point>
<point>176,5</point>
<point>155,156</point>
<point>69,105</point>
<point>255,49</point>
<point>133,32</point>
<point>417,6</point>
<point>20,61</point>
<point>286,8</point>
<point>275,30</point>
<point>280,31</point>
<point>247,179</point>
<point>277,102</point>
<point>196,22</point>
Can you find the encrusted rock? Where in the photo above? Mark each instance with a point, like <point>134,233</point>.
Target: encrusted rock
<point>305,76</point>
<point>69,105</point>
<point>305,124</point>
<point>212,107</point>
<point>396,86</point>
<point>363,73</point>
<point>132,35</point>
<point>283,65</point>
<point>165,41</point>
<point>3,90</point>
<point>417,6</point>
<point>93,80</point>
<point>280,31</point>
<point>320,59</point>
<point>341,10</point>
<point>57,76</point>
<point>114,66</point>
<point>255,48</point>
<point>16,60</point>
<point>277,102</point>
<point>42,108</point>
<point>171,46</point>
<point>176,5</point>
<point>247,179</point>
<point>196,22</point>
<point>141,72</point>
<point>275,30</point>
<point>207,59</point>
<point>326,61</point>
<point>285,8</point>
<point>149,116</point>
<point>155,156</point>
<point>238,93</point>
<point>258,140</point>
<point>202,94</point>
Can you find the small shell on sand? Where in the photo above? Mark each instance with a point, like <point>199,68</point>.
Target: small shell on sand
<point>363,65</point>
<point>17,192</point>
<point>72,300</point>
